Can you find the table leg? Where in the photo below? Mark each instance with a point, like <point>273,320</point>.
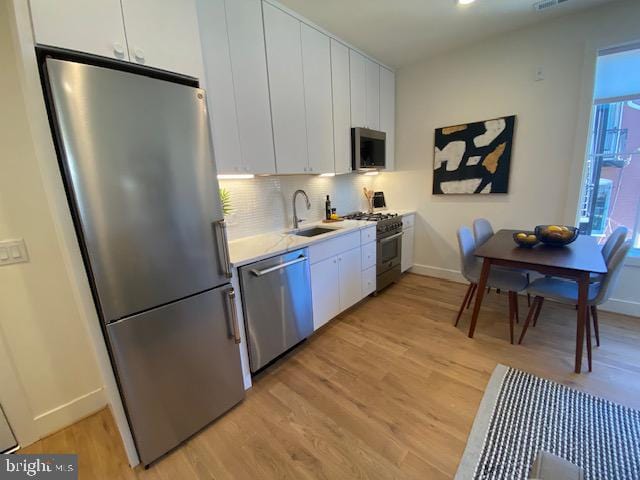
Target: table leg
<point>583,293</point>
<point>482,285</point>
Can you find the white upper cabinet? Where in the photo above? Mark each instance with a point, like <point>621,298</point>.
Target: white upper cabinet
<point>251,87</point>
<point>164,34</point>
<point>340,81</point>
<point>388,113</point>
<point>219,85</point>
<point>372,92</point>
<point>316,68</point>
<point>284,63</point>
<point>358,89</point>
<point>93,26</point>
<point>236,81</point>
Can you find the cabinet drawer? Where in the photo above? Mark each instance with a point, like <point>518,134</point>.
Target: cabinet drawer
<point>330,248</point>
<point>368,281</point>
<point>368,235</point>
<point>368,255</point>
<point>408,221</point>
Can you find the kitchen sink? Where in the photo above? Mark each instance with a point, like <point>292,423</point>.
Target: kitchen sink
<point>312,232</point>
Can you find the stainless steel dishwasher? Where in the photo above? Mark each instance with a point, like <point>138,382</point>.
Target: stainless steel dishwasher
<point>276,297</point>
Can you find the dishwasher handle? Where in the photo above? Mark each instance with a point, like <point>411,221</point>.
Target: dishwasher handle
<point>259,273</point>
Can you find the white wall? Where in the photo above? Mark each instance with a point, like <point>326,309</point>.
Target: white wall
<point>50,363</point>
<point>493,78</point>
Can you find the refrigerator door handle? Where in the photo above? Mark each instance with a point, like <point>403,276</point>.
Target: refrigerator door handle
<point>231,296</point>
<point>223,247</point>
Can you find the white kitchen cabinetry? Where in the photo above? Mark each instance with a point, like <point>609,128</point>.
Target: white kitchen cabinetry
<point>368,281</point>
<point>365,91</point>
<point>388,113</point>
<point>236,81</point>
<point>159,33</point>
<point>336,276</point>
<point>372,89</point>
<point>94,26</point>
<point>316,69</point>
<point>284,62</point>
<point>325,290</point>
<point>406,259</point>
<point>340,81</point>
<point>350,274</point>
<point>358,82</point>
<point>164,34</point>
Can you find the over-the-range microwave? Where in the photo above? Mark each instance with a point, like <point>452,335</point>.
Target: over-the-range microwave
<point>368,149</point>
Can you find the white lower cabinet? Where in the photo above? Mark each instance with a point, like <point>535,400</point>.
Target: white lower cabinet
<point>406,259</point>
<point>368,281</point>
<point>337,276</point>
<point>325,291</point>
<point>350,275</point>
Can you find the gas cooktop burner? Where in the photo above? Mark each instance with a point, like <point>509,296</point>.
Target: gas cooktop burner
<point>370,217</point>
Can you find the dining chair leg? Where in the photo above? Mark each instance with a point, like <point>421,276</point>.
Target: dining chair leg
<point>497,290</point>
<point>473,292</point>
<point>528,294</point>
<point>596,327</point>
<point>464,302</point>
<point>488,289</point>
<point>537,314</point>
<point>588,335</point>
<point>513,307</point>
<point>532,310</point>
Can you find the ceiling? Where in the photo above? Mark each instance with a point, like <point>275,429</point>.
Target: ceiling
<point>400,32</point>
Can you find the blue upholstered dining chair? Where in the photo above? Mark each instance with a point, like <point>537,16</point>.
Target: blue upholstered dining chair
<point>483,231</point>
<point>611,246</point>
<point>566,291</point>
<point>503,279</point>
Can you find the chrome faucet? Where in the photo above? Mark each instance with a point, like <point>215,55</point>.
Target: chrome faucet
<point>296,220</point>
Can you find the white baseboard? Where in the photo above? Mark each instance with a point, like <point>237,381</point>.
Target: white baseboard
<point>69,413</point>
<point>622,306</point>
<point>438,272</point>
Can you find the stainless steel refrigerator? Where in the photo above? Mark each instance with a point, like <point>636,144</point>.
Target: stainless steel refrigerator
<point>136,157</point>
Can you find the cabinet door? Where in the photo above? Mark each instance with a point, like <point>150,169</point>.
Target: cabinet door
<point>249,67</point>
<point>164,34</point>
<point>316,67</point>
<point>340,82</point>
<point>350,266</point>
<point>325,291</point>
<point>372,89</point>
<point>219,84</point>
<point>406,259</point>
<point>87,26</point>
<point>388,113</point>
<point>357,68</point>
<point>284,64</point>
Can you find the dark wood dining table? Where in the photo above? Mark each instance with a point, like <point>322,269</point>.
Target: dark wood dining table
<point>575,261</point>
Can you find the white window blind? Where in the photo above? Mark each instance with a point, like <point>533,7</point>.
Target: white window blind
<point>618,75</point>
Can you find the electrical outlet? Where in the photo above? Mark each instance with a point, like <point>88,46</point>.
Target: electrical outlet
<point>13,251</point>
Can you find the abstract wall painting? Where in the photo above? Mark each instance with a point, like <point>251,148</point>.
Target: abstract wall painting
<point>473,158</point>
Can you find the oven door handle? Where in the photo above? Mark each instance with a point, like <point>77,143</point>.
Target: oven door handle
<point>392,237</point>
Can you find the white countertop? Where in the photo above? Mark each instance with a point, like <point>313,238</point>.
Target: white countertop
<point>258,247</point>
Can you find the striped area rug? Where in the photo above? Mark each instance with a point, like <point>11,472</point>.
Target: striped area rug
<point>521,414</point>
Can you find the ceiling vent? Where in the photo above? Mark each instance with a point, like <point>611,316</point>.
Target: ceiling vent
<point>547,4</point>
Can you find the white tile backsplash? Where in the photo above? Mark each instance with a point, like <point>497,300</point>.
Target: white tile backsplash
<point>263,204</point>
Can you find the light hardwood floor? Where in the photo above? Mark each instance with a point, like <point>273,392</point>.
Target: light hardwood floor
<point>387,390</point>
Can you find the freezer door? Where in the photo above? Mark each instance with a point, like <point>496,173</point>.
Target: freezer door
<point>178,367</point>
<point>137,157</point>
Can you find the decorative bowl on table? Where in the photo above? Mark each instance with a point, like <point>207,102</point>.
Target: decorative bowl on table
<point>556,235</point>
<point>525,239</point>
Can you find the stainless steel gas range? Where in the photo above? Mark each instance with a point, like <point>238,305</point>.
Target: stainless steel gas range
<point>389,245</point>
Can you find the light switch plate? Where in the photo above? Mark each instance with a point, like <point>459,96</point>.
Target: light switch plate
<point>13,251</point>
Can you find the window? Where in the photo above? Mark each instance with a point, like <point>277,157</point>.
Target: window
<point>611,193</point>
